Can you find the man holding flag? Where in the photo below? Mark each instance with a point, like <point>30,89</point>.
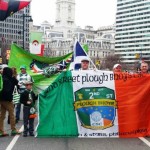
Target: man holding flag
<point>79,58</point>
<point>84,64</point>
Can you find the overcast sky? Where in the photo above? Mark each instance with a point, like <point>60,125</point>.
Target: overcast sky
<point>88,12</point>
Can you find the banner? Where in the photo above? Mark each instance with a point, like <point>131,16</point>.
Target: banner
<point>43,69</point>
<point>36,46</point>
<point>95,104</point>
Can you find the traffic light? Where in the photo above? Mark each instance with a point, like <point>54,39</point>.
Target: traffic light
<point>0,60</point>
<point>137,56</point>
<point>98,62</point>
<point>7,54</point>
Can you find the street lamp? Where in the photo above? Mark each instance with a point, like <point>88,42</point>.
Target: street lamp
<point>23,29</point>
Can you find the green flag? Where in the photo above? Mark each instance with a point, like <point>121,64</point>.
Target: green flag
<point>35,66</point>
<point>86,48</point>
<point>36,36</point>
<point>56,111</point>
<point>36,42</point>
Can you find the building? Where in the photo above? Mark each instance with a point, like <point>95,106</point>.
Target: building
<point>65,17</point>
<point>11,30</point>
<point>100,42</point>
<point>59,38</point>
<point>132,40</point>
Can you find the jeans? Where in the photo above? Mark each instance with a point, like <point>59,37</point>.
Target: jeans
<point>18,110</point>
<point>27,122</point>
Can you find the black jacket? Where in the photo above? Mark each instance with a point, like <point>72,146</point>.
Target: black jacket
<point>9,83</point>
<point>25,96</point>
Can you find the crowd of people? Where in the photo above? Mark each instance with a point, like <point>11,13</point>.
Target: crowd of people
<point>144,68</point>
<point>24,82</point>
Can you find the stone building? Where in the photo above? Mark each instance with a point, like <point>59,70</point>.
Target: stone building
<point>59,38</point>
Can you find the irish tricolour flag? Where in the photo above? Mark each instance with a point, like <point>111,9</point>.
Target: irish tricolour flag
<point>97,104</point>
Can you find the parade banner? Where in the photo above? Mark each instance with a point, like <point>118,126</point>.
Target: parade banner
<point>36,43</point>
<point>43,69</point>
<point>95,104</point>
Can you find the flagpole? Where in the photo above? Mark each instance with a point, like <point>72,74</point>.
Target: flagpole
<point>74,51</point>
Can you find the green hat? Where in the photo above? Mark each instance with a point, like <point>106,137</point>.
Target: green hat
<point>23,67</point>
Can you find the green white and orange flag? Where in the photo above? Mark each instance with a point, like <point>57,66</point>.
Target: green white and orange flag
<point>36,46</point>
<point>95,104</point>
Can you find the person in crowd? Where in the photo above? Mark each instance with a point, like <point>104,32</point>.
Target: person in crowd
<point>144,68</point>
<point>117,68</point>
<point>84,64</point>
<point>21,77</point>
<point>6,96</point>
<point>14,71</point>
<point>2,67</point>
<point>28,99</point>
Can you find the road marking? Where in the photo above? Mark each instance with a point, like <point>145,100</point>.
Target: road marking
<point>14,140</point>
<point>145,141</point>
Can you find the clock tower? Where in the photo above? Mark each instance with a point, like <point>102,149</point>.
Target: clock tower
<point>65,16</point>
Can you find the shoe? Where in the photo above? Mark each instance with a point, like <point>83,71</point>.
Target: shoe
<point>31,134</point>
<point>15,132</point>
<point>2,134</point>
<point>24,135</point>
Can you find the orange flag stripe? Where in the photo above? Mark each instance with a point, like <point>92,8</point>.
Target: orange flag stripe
<point>133,100</point>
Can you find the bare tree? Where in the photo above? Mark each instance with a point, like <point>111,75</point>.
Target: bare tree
<point>109,61</point>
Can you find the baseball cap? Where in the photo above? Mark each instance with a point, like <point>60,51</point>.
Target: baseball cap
<point>85,59</point>
<point>116,65</point>
<point>27,82</point>
<point>23,67</point>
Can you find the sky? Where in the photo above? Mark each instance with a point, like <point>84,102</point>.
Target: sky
<point>95,13</point>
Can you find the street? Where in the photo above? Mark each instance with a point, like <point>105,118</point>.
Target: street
<point>31,143</point>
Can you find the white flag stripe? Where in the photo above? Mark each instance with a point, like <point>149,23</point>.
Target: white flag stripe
<point>98,121</point>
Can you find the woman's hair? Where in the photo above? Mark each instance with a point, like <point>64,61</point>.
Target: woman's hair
<point>7,72</point>
<point>14,70</point>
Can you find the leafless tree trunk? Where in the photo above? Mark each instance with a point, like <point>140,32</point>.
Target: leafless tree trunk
<point>109,61</point>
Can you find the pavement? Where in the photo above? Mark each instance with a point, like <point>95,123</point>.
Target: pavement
<point>31,143</point>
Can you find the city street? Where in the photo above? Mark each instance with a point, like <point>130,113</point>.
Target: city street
<point>31,143</point>
<point>89,66</point>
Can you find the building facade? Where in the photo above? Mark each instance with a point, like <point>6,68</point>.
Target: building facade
<point>100,42</point>
<point>59,38</point>
<point>132,40</point>
<point>65,17</point>
<point>11,30</point>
